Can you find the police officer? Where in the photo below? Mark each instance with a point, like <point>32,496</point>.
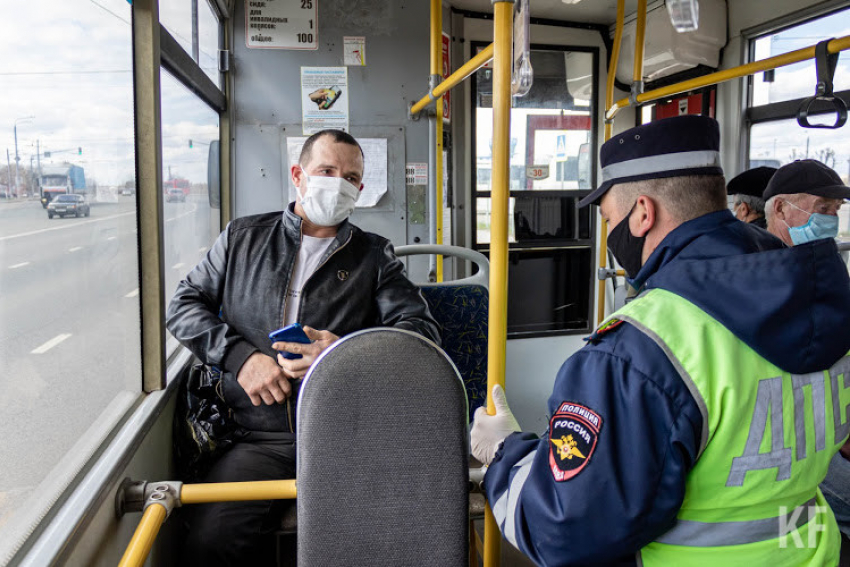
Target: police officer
<point>802,201</point>
<point>687,431</point>
<point>748,188</point>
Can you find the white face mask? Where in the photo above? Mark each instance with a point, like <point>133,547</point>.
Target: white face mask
<point>328,201</point>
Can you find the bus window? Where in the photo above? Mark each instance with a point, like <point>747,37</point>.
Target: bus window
<point>551,167</point>
<point>190,222</point>
<point>797,80</point>
<point>775,137</point>
<point>208,42</point>
<point>70,354</point>
<point>176,16</point>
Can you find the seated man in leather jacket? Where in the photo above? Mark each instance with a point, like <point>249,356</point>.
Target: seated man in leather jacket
<point>309,265</point>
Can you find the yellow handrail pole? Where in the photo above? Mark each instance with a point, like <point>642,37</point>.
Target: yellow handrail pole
<point>640,33</point>
<point>436,35</point>
<point>612,65</point>
<point>440,209</point>
<point>834,46</point>
<point>436,74</point>
<point>237,491</point>
<point>455,78</point>
<point>140,545</point>
<point>609,124</point>
<point>500,195</point>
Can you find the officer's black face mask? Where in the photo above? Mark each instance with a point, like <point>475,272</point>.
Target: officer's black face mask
<point>626,247</point>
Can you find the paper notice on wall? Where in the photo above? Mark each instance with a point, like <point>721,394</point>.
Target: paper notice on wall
<point>375,166</point>
<point>271,24</point>
<point>324,98</point>
<point>375,176</point>
<point>446,208</point>
<point>416,174</point>
<point>354,51</point>
<point>445,178</point>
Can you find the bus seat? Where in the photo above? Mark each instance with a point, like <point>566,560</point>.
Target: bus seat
<point>382,455</point>
<point>461,308</point>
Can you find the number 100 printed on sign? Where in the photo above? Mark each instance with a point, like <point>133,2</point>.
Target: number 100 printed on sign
<point>281,24</point>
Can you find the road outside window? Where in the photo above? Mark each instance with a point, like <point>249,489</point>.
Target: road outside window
<point>70,346</point>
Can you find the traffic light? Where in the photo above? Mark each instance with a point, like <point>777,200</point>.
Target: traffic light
<point>80,151</point>
<point>190,143</point>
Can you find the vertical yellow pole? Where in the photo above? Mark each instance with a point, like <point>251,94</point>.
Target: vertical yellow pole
<point>500,194</point>
<point>609,126</point>
<point>437,69</point>
<point>142,541</point>
<point>640,32</point>
<point>436,36</point>
<point>439,110</point>
<point>612,65</point>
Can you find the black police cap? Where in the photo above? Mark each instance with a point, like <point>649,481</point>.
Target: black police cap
<point>672,147</point>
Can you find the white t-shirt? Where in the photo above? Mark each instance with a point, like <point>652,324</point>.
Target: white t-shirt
<point>309,255</point>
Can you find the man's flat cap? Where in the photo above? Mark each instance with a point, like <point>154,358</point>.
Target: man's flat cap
<point>751,182</point>
<point>672,147</point>
<point>807,176</point>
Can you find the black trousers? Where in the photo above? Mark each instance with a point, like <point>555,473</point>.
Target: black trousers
<point>241,533</point>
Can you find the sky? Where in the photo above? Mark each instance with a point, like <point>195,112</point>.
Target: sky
<point>71,73</point>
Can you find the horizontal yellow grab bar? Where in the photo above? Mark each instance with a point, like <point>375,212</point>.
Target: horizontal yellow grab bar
<point>237,491</point>
<point>835,46</point>
<point>455,78</point>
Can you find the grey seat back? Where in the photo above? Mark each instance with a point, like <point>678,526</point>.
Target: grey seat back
<point>382,455</point>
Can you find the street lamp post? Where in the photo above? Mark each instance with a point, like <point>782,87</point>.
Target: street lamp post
<point>8,174</point>
<point>18,157</point>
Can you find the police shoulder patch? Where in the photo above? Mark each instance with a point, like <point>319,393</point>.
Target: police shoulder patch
<point>573,434</point>
<point>606,327</point>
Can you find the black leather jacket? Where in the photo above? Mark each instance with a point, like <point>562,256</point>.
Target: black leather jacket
<point>228,304</point>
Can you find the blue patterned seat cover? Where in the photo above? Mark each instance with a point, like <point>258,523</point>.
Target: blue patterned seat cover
<point>462,312</point>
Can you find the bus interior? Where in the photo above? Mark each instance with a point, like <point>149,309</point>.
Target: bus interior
<point>481,124</point>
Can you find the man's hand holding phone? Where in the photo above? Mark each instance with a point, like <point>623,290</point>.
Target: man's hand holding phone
<point>297,367</point>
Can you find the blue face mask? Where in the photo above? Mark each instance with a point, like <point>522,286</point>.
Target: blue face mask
<point>819,226</point>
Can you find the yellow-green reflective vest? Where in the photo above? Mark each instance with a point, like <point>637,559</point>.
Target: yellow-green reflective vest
<point>752,497</point>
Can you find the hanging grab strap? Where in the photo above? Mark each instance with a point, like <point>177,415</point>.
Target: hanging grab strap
<point>825,64</point>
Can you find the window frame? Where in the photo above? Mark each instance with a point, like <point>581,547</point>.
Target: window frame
<point>562,244</point>
<point>155,49</point>
<point>787,109</point>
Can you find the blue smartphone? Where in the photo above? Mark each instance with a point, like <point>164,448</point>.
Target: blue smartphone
<point>293,333</point>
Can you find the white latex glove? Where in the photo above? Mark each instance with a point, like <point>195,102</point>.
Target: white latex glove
<point>488,431</point>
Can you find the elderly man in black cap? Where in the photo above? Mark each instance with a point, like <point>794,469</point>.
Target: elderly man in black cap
<point>678,434</point>
<point>803,204</point>
<point>802,201</point>
<point>748,188</point>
